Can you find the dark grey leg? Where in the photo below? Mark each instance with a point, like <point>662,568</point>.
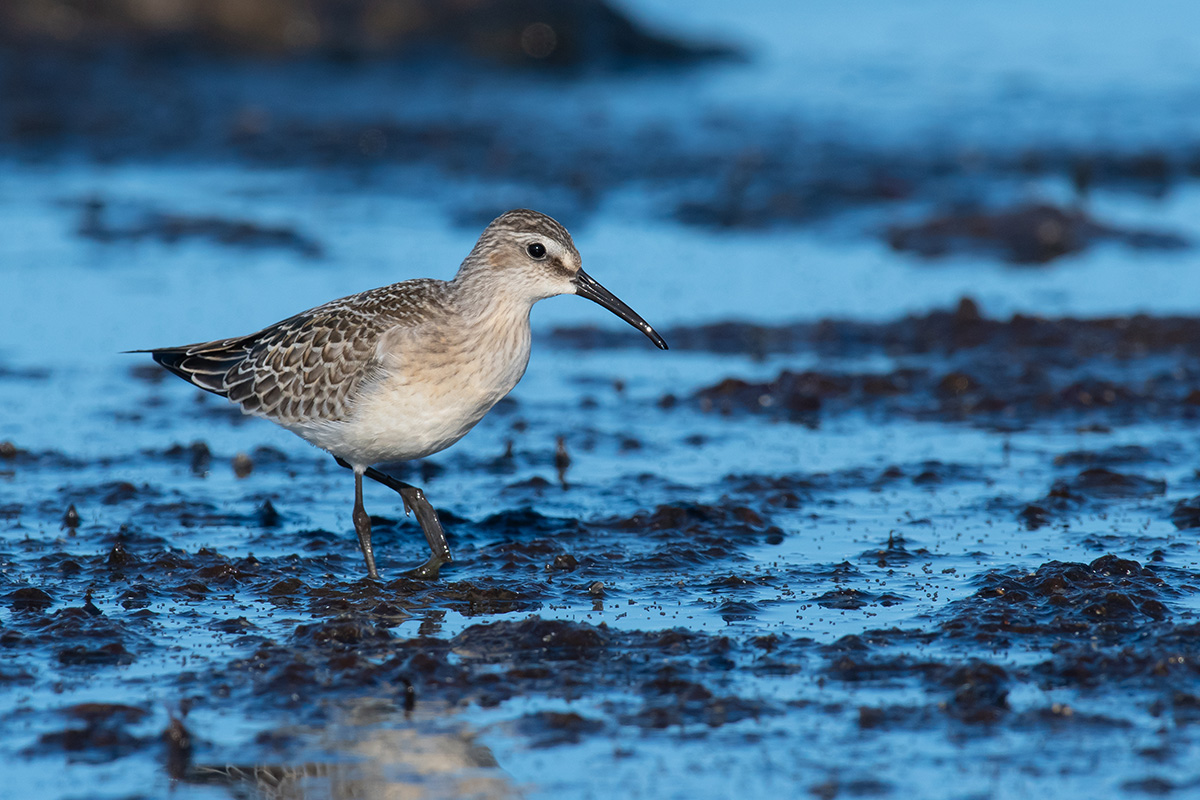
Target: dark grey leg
<point>416,503</point>
<point>362,526</point>
<point>431,526</point>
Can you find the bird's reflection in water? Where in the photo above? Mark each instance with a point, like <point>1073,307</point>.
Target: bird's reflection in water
<point>425,758</point>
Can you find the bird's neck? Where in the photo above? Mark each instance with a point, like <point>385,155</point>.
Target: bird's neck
<point>484,296</point>
<point>493,322</point>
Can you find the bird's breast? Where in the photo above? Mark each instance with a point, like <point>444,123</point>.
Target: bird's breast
<point>433,388</point>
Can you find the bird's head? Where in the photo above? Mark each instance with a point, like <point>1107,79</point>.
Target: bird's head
<point>530,254</point>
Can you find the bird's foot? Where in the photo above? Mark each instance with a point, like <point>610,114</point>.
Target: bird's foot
<point>429,570</point>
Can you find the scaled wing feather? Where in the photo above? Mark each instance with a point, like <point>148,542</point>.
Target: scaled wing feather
<point>308,366</point>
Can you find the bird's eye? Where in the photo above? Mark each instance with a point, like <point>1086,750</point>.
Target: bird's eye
<point>536,250</point>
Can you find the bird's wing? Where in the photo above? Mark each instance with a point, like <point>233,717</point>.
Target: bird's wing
<point>309,366</point>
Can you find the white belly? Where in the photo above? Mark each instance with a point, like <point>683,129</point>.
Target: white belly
<point>423,404</point>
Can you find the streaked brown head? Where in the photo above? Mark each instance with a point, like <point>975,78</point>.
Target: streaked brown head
<point>533,255</point>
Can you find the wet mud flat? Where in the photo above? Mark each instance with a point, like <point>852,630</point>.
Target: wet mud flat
<point>969,580</point>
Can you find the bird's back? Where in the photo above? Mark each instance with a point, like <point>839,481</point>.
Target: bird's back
<point>310,366</point>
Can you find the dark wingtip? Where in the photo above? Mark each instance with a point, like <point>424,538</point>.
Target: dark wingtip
<point>169,357</point>
<point>190,366</point>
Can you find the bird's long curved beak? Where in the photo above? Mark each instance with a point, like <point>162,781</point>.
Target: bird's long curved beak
<point>587,286</point>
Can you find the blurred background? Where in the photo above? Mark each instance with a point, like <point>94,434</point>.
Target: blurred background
<point>772,160</point>
<point>898,250</point>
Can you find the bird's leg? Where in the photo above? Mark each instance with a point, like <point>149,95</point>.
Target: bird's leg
<point>362,526</point>
<point>431,526</point>
<point>415,502</point>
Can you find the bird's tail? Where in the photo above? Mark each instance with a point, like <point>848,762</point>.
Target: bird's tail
<point>204,365</point>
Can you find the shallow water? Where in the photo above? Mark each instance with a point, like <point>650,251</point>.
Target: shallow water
<point>938,556</point>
